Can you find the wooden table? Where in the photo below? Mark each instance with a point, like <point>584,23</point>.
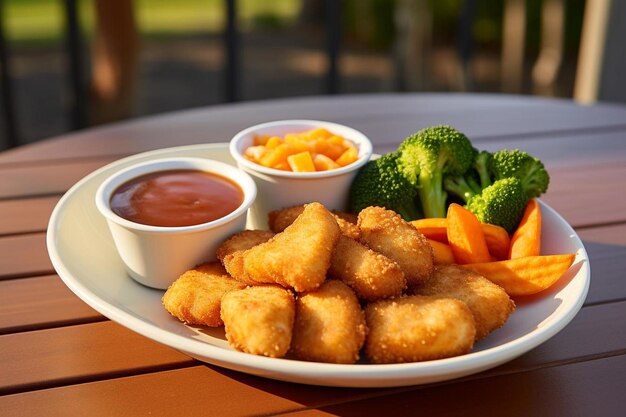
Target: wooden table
<point>60,357</point>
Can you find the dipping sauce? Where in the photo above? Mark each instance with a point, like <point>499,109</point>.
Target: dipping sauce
<point>172,198</point>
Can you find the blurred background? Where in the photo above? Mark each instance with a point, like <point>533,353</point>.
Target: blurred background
<point>71,64</point>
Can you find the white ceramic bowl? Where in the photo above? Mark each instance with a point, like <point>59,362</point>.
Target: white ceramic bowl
<point>154,255</point>
<point>279,189</point>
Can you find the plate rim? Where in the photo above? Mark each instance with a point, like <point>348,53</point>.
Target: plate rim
<point>315,373</point>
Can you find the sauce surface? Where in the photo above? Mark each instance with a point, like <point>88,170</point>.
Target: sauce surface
<point>181,197</point>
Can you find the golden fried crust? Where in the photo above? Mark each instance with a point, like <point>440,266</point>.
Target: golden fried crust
<point>418,328</point>
<point>259,320</point>
<point>370,274</point>
<point>243,240</point>
<point>195,297</point>
<point>330,325</point>
<point>386,232</point>
<point>297,258</point>
<point>279,220</point>
<point>489,303</point>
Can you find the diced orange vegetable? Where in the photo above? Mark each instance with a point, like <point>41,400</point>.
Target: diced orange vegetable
<point>334,151</point>
<point>526,240</point>
<point>527,275</point>
<point>283,166</point>
<point>435,228</point>
<point>297,142</point>
<point>255,153</point>
<point>260,140</point>
<point>442,252</point>
<point>275,156</point>
<point>349,156</point>
<point>301,162</point>
<point>273,151</point>
<point>324,163</point>
<point>465,236</point>
<point>497,239</point>
<point>319,133</point>
<point>336,140</point>
<point>273,142</point>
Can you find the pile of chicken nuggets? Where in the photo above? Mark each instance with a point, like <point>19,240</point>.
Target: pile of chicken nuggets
<point>339,288</point>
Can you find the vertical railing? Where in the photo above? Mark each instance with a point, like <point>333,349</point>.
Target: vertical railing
<point>8,99</point>
<point>77,97</point>
<point>333,39</point>
<point>231,44</point>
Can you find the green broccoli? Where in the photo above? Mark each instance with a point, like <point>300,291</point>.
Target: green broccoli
<point>502,203</point>
<point>428,155</point>
<point>380,183</point>
<point>473,181</point>
<point>528,169</point>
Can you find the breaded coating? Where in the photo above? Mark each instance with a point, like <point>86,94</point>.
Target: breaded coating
<point>243,240</point>
<point>195,297</point>
<point>386,232</point>
<point>330,325</point>
<point>296,258</point>
<point>418,328</point>
<point>259,320</point>
<point>279,220</point>
<point>489,303</point>
<point>370,274</point>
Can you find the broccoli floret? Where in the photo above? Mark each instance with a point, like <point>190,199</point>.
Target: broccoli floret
<point>428,155</point>
<point>380,183</point>
<point>502,203</point>
<point>519,164</point>
<point>473,181</point>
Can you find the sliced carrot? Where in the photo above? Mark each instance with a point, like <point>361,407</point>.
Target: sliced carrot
<point>527,275</point>
<point>435,228</point>
<point>526,240</point>
<point>442,252</point>
<point>497,239</point>
<point>465,236</point>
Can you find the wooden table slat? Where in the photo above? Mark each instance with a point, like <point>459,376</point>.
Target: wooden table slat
<point>39,303</point>
<point>26,215</point>
<point>24,255</point>
<point>556,391</point>
<point>74,354</point>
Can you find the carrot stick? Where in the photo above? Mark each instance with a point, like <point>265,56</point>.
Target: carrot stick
<point>526,240</point>
<point>443,253</point>
<point>465,236</point>
<point>434,228</point>
<point>497,239</point>
<point>527,275</point>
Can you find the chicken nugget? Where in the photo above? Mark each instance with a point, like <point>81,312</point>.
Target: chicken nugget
<point>243,240</point>
<point>489,303</point>
<point>418,328</point>
<point>296,258</point>
<point>370,274</point>
<point>279,220</point>
<point>195,297</point>
<point>386,232</point>
<point>330,325</point>
<point>259,320</point>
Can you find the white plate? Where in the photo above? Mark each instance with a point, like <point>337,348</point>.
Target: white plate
<point>83,254</point>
